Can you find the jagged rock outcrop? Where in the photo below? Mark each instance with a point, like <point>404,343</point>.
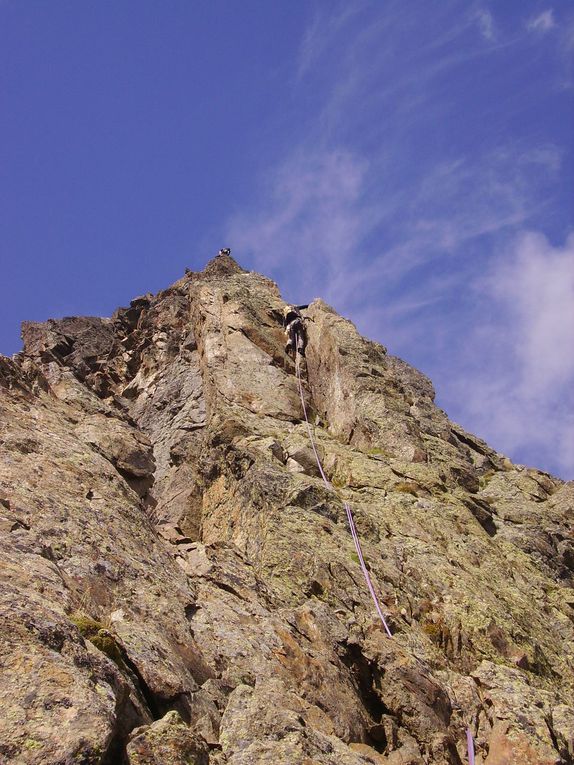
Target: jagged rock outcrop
<point>177,584</point>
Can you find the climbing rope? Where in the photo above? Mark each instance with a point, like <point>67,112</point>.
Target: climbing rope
<point>346,505</point>
<point>353,528</point>
<point>470,746</point>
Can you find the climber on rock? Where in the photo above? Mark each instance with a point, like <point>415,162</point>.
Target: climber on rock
<point>225,251</point>
<point>295,332</point>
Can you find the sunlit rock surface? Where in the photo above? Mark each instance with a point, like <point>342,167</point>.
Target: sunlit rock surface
<point>178,586</point>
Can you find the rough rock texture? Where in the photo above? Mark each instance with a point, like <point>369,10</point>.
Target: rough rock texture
<point>177,585</point>
<point>168,741</point>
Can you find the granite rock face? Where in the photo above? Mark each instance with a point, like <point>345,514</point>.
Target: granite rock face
<point>178,585</point>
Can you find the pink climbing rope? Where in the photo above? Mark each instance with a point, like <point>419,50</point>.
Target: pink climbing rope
<point>470,746</point>
<point>346,505</point>
<point>353,528</point>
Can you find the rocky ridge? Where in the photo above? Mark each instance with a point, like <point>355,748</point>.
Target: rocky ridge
<point>178,586</point>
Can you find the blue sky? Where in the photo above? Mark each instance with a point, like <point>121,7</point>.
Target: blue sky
<point>410,162</point>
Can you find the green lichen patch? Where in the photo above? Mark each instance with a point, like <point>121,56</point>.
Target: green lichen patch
<point>376,451</point>
<point>355,558</point>
<point>98,635</point>
<point>87,626</point>
<point>32,744</point>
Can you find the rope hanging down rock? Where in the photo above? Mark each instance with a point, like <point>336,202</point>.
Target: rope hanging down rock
<point>470,746</point>
<point>353,528</point>
<point>346,505</point>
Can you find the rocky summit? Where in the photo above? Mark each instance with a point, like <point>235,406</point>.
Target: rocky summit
<point>178,585</point>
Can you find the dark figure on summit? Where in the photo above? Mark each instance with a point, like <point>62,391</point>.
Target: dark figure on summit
<point>225,251</point>
<point>295,332</point>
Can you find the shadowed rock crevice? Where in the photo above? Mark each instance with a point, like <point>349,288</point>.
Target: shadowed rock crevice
<point>483,513</point>
<point>363,675</point>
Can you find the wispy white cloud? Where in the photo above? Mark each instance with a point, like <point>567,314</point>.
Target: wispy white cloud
<point>541,23</point>
<point>321,32</point>
<point>313,221</point>
<point>365,53</point>
<point>536,284</point>
<point>328,218</point>
<point>524,397</point>
<point>486,24</point>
